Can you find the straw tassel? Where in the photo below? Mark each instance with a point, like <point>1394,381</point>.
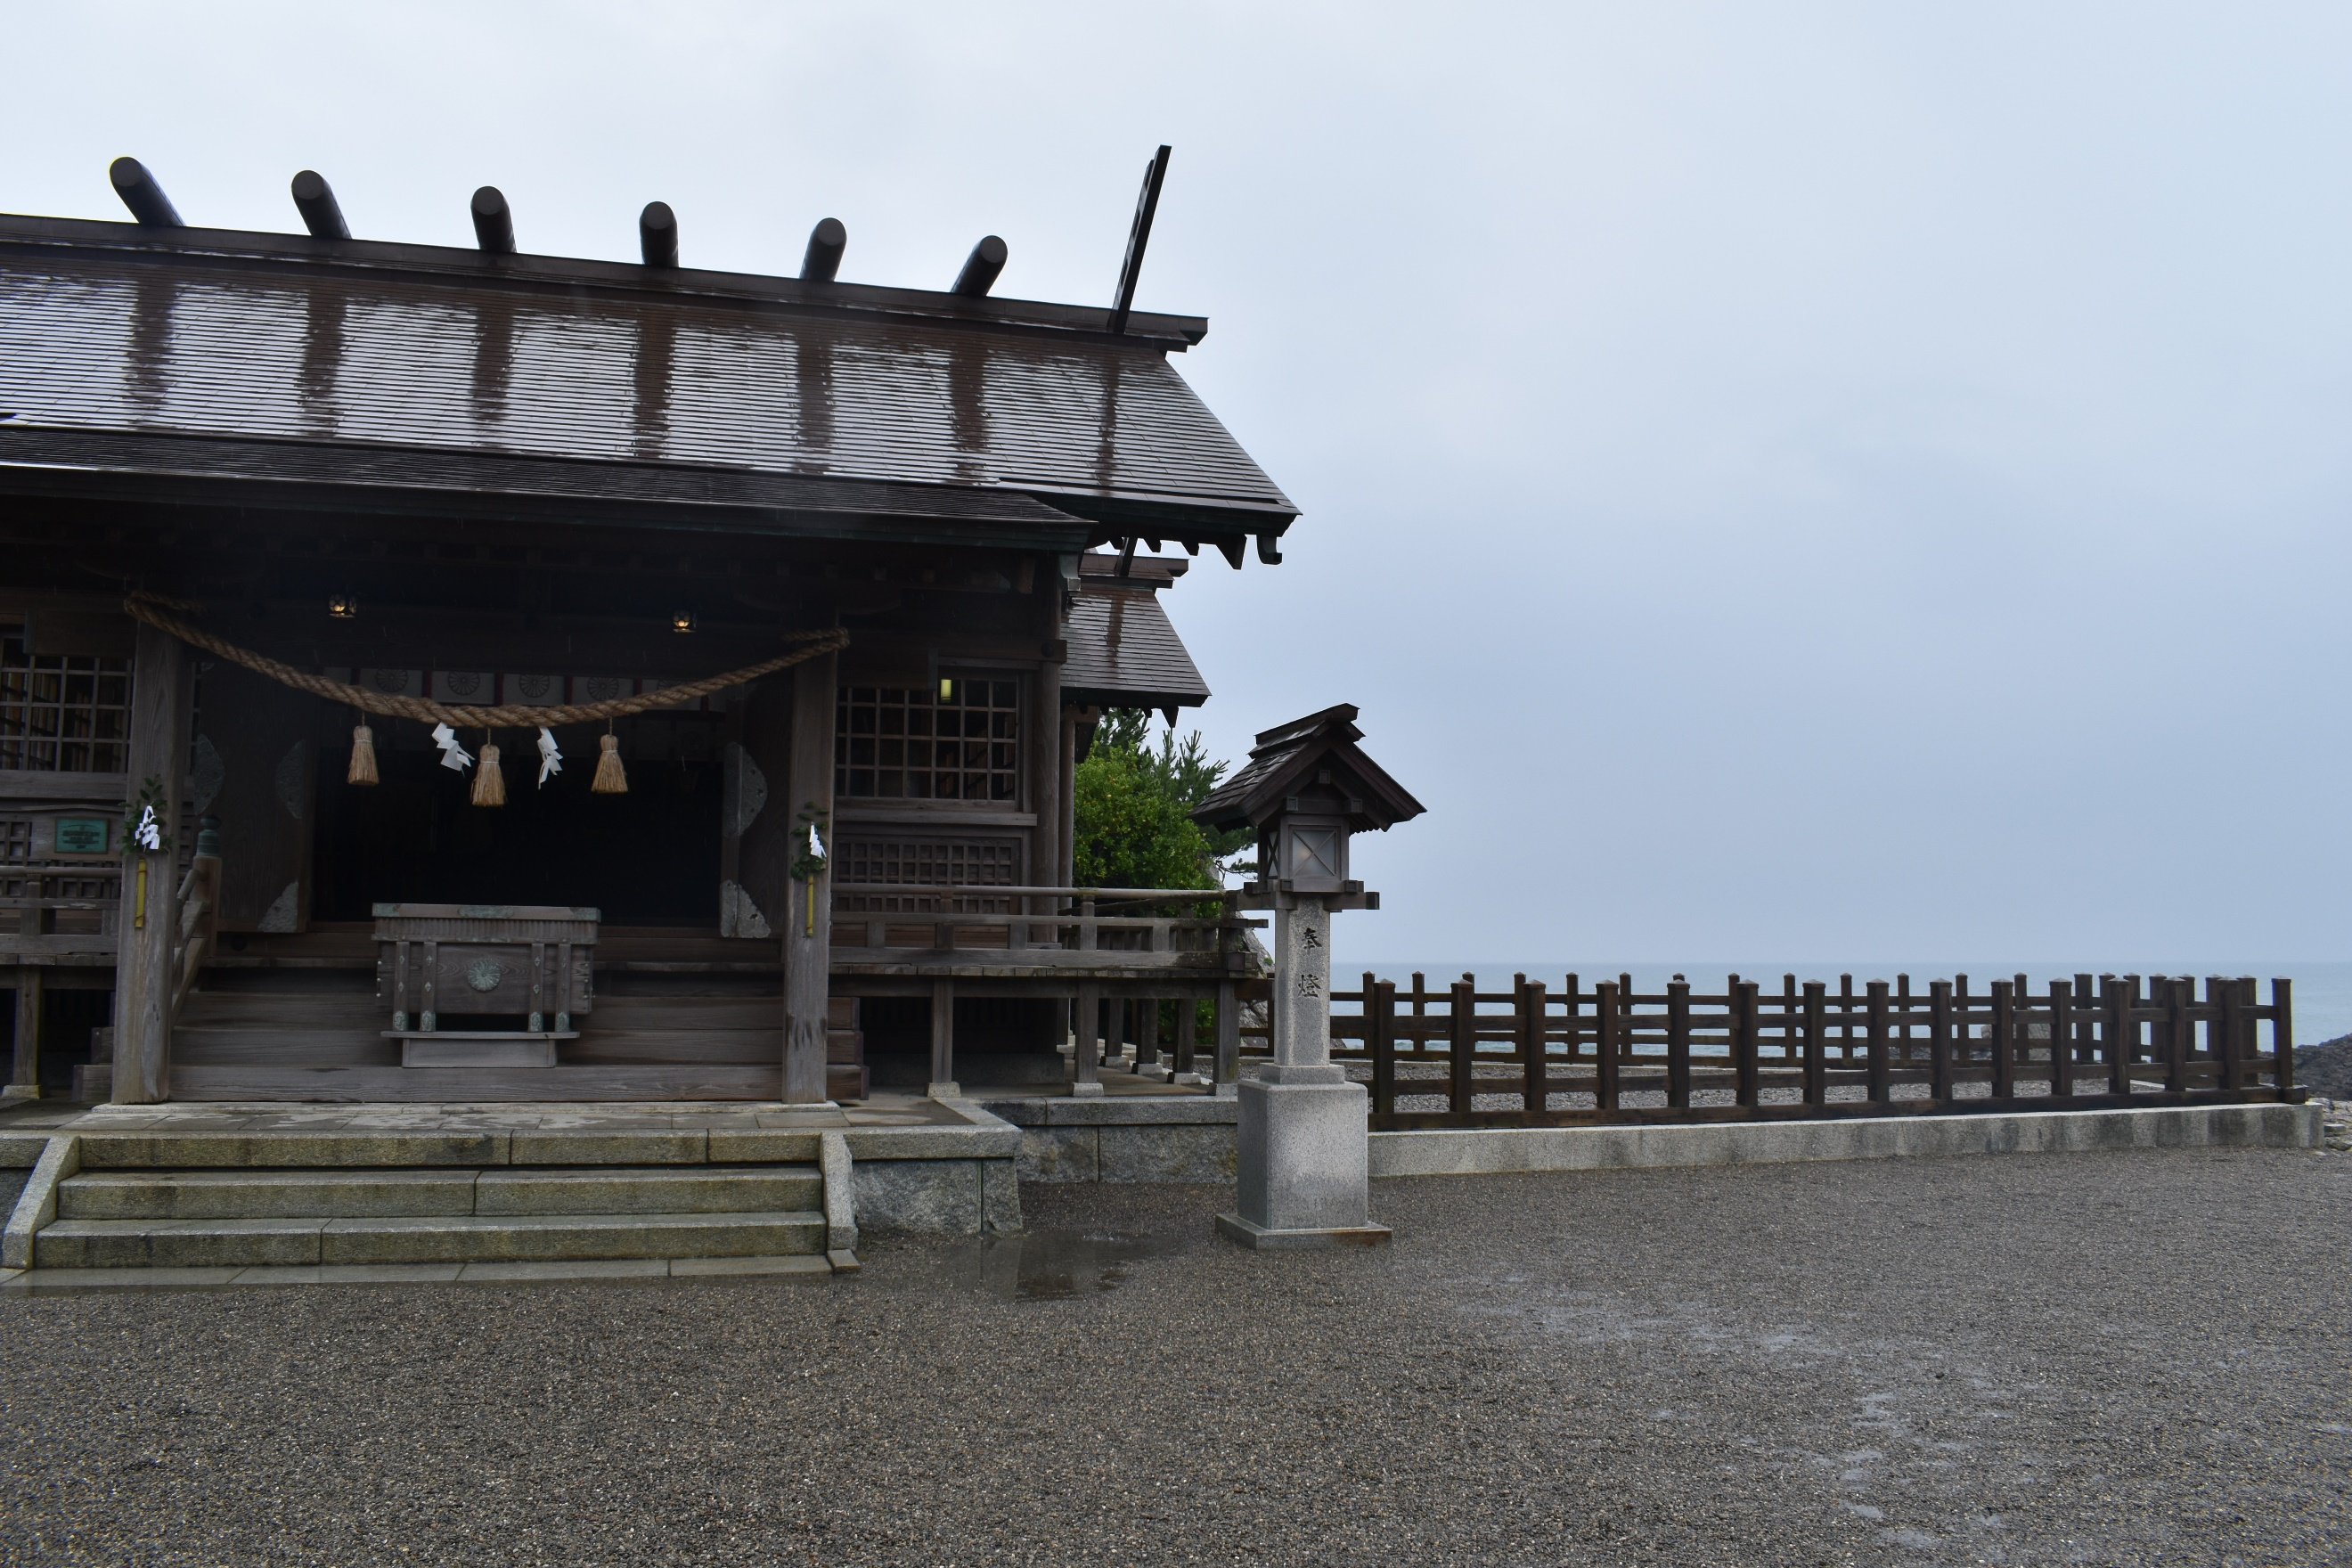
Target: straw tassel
<point>609,779</point>
<point>362,770</point>
<point>489,779</point>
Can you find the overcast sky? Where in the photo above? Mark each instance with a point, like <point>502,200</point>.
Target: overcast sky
<point>1861,483</point>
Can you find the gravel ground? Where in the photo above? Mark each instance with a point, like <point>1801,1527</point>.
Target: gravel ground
<point>2097,1358</point>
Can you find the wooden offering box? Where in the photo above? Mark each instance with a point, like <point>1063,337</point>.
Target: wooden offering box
<point>531,962</point>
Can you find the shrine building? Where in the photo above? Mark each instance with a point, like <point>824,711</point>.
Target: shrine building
<point>364,575</point>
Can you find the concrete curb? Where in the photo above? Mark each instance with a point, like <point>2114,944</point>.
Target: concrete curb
<point>1473,1151</point>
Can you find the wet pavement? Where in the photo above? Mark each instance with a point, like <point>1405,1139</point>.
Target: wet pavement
<point>2107,1359</point>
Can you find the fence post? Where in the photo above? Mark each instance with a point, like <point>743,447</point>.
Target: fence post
<point>1678,1060</point>
<point>1845,1018</point>
<point>1534,1093</point>
<point>1790,1045</point>
<point>2283,1037</point>
<point>1608,1035</point>
<point>2233,998</point>
<point>1902,1019</point>
<point>1463,1045</point>
<point>2178,1030</point>
<point>1380,1025</point>
<point>1817,1039</point>
<point>2004,1039</point>
<point>2121,1028</point>
<point>2085,1019</point>
<point>2062,1039</point>
<point>1940,1041</point>
<point>1881,1089</point>
<point>1744,1041</point>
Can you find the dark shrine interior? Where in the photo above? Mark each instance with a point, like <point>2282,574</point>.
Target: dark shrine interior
<point>648,858</point>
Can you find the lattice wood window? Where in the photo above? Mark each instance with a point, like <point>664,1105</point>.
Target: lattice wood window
<point>957,741</point>
<point>61,713</point>
<point>926,863</point>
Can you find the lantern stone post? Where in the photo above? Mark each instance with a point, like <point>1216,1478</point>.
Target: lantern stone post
<point>1303,1173</point>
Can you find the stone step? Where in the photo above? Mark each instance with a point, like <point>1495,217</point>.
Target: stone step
<point>263,1195</point>
<point>374,1195</point>
<point>619,1190</point>
<point>425,1238</point>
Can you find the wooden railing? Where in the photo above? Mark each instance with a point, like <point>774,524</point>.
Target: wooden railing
<point>1534,1057</point>
<point>76,902</point>
<point>1048,927</point>
<point>199,905</point>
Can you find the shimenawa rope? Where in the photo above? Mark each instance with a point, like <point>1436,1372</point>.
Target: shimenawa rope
<point>149,608</point>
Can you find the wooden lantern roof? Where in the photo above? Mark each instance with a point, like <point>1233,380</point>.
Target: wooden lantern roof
<point>1319,754</point>
<point>139,361</point>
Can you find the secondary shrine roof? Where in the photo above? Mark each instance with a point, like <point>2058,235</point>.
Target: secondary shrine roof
<point>1124,652</point>
<point>279,363</point>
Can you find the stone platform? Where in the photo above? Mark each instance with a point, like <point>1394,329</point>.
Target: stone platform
<point>659,1187</point>
<point>1137,1130</point>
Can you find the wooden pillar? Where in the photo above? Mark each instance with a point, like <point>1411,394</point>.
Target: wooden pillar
<point>146,924</point>
<point>1066,829</point>
<point>1048,741</point>
<point>943,1077</point>
<point>808,923</point>
<point>25,1071</point>
<point>1147,1032</point>
<point>1183,1048</point>
<point>1228,1069</point>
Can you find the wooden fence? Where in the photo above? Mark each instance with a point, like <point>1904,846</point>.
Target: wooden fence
<point>1536,1056</point>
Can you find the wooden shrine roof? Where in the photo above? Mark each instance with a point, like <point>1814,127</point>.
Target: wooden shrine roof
<point>1124,652</point>
<point>256,365</point>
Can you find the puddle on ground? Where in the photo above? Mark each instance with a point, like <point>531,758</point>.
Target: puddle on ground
<point>1053,1265</point>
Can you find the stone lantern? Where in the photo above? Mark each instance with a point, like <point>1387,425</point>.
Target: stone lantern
<point>1304,1177</point>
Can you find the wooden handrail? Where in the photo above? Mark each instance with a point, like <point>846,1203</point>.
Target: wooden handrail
<point>1113,895</point>
<point>198,926</point>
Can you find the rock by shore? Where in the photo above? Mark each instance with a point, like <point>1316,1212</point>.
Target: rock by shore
<point>2326,1069</point>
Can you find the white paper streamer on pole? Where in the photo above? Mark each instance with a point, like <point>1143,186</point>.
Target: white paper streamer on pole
<point>454,757</point>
